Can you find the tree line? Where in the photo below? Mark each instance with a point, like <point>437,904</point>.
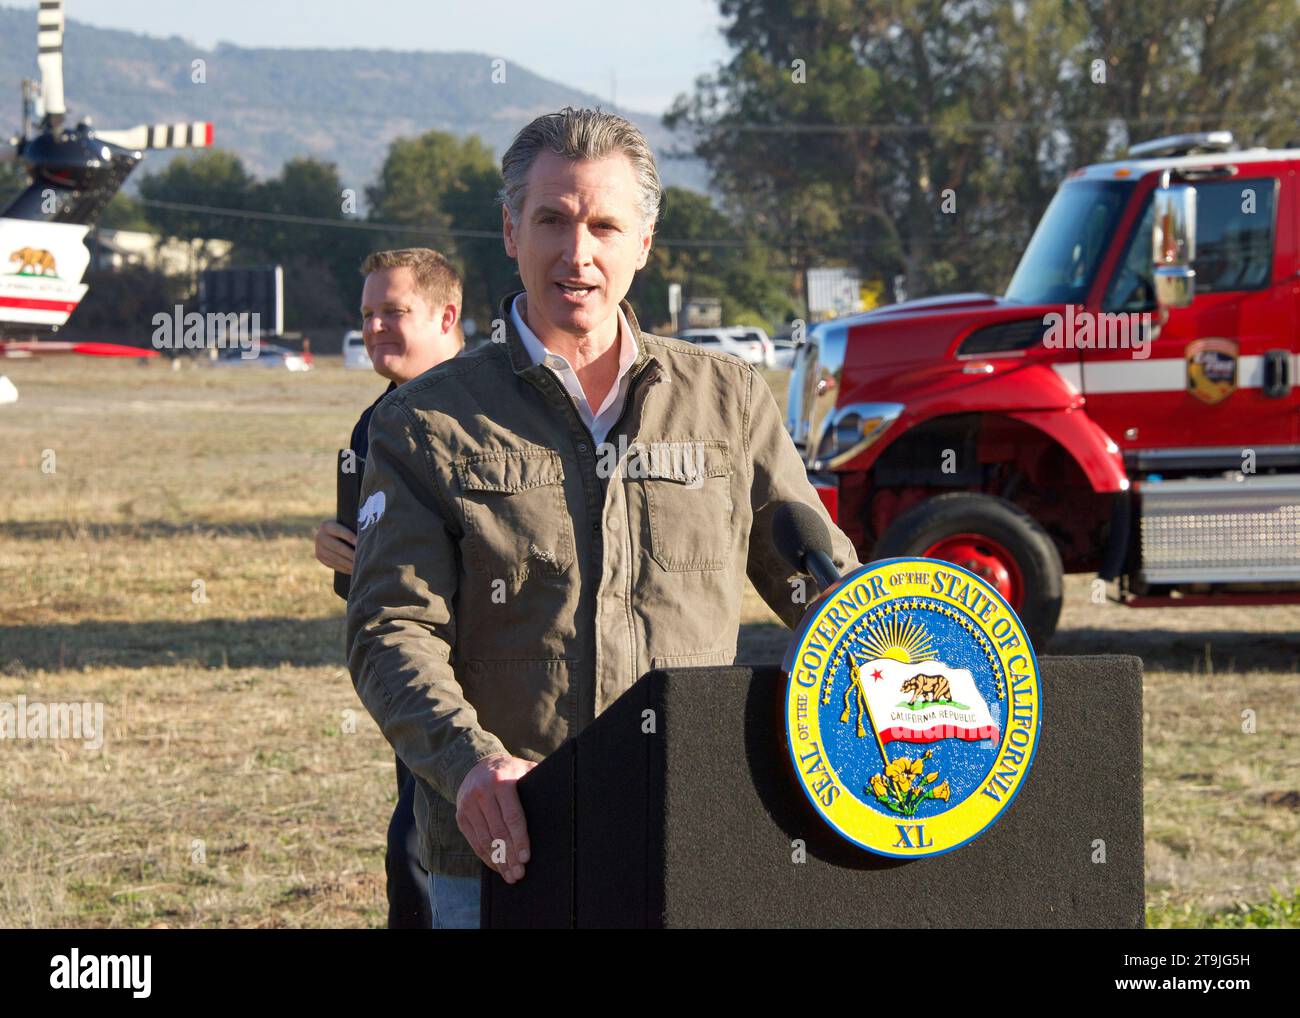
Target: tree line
<point>912,140</point>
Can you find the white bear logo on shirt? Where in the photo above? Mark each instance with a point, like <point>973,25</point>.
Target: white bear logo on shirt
<point>370,511</point>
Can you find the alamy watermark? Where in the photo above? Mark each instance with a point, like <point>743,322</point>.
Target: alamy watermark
<point>178,330</point>
<point>23,720</point>
<point>77,971</point>
<point>679,460</point>
<point>1083,330</point>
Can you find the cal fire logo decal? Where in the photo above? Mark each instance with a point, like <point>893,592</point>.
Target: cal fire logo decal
<point>1212,369</point>
<point>913,707</point>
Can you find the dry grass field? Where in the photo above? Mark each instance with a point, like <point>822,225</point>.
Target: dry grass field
<point>156,557</point>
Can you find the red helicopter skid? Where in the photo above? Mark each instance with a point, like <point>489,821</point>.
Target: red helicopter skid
<point>112,350</point>
<point>87,349</point>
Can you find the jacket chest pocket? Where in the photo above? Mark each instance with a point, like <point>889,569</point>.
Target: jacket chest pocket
<point>516,518</point>
<point>688,500</point>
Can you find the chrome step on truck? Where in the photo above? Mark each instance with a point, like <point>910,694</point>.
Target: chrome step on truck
<point>1220,530</point>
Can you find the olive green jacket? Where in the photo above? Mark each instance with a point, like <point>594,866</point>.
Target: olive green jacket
<point>512,580</point>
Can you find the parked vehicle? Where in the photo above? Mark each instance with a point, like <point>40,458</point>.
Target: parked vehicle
<point>1024,436</point>
<point>783,350</point>
<point>725,340</point>
<point>753,334</point>
<point>354,351</point>
<point>269,355</point>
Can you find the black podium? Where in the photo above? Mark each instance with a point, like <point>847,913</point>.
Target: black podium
<point>677,807</point>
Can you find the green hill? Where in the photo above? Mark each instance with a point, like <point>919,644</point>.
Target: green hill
<point>269,105</point>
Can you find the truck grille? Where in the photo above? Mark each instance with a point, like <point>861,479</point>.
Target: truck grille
<point>1227,530</point>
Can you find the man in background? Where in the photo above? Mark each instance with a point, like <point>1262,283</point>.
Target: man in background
<point>410,321</point>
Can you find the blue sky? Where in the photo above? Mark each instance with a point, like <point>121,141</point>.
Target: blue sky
<point>639,55</point>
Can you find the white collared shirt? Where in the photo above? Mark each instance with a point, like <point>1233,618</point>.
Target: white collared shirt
<point>603,419</point>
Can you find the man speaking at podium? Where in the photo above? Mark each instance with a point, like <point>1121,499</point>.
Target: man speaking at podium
<point>558,512</point>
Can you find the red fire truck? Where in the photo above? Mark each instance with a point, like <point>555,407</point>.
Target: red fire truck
<point>1127,408</point>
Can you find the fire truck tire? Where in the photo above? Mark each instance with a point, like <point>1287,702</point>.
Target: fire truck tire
<point>1035,564</point>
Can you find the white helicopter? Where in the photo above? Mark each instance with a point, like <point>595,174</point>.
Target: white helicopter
<point>73,174</point>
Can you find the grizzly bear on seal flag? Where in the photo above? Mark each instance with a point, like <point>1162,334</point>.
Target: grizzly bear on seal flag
<point>931,688</point>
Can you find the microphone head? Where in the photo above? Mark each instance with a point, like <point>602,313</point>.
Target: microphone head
<point>797,530</point>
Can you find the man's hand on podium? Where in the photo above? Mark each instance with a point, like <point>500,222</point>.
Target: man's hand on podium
<point>488,810</point>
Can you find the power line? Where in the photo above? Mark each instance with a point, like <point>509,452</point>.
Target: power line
<point>666,242</point>
<point>286,217</point>
<point>359,224</point>
<point>955,126</point>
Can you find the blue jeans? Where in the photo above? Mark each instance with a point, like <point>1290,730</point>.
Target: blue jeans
<point>454,902</point>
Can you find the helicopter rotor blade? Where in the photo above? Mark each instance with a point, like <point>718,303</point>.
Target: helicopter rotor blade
<point>144,136</point>
<point>49,45</point>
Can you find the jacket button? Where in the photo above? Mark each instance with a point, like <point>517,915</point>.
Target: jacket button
<point>582,447</point>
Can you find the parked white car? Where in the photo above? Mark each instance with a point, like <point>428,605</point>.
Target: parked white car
<point>753,334</point>
<point>354,351</point>
<point>726,341</point>
<point>269,355</point>
<point>783,354</point>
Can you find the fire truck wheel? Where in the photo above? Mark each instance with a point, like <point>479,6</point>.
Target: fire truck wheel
<point>992,538</point>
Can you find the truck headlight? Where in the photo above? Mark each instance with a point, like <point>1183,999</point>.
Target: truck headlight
<point>849,430</point>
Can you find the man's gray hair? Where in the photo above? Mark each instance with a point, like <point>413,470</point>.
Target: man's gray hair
<point>581,134</point>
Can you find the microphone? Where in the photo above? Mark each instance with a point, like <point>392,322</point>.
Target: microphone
<point>801,537</point>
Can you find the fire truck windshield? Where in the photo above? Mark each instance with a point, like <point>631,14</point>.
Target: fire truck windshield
<point>1062,258</point>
